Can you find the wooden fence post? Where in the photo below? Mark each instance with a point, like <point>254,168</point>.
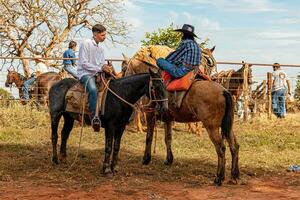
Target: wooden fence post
<point>269,76</point>
<point>246,91</point>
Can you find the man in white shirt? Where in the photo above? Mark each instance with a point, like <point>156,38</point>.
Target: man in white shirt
<point>280,85</point>
<point>91,61</point>
<point>40,68</point>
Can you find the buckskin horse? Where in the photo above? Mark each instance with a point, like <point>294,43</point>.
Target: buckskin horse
<point>116,116</point>
<point>41,87</point>
<point>206,101</point>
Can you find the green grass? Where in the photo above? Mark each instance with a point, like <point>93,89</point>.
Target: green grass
<point>267,147</point>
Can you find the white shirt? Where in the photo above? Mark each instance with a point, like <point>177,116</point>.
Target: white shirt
<point>91,58</point>
<point>280,78</point>
<point>41,67</point>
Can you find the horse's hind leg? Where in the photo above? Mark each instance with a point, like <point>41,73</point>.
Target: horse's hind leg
<point>68,126</point>
<point>234,149</point>
<point>168,142</point>
<point>218,142</point>
<point>54,126</point>
<point>150,127</point>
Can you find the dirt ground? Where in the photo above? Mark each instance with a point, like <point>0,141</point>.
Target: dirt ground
<point>269,187</point>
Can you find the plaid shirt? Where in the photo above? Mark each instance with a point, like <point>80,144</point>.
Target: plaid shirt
<point>188,52</point>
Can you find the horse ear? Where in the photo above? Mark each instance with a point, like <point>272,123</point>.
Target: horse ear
<point>212,49</point>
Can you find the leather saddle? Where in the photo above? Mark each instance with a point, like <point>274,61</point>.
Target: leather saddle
<point>177,88</point>
<point>77,98</point>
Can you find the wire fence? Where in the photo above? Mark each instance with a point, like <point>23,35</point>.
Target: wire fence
<point>256,78</point>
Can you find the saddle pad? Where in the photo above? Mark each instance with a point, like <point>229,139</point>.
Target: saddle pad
<point>75,98</point>
<point>183,83</point>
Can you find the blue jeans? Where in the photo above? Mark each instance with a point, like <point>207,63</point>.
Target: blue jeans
<point>91,87</point>
<point>278,102</point>
<point>71,70</point>
<point>26,87</point>
<point>174,70</point>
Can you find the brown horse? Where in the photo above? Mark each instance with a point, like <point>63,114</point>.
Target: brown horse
<point>16,78</point>
<point>233,80</point>
<point>206,101</point>
<point>42,86</point>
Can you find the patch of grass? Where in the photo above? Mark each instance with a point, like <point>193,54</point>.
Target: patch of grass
<point>267,147</point>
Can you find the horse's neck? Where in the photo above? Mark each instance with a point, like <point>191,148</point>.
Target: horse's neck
<point>135,89</point>
<point>19,83</point>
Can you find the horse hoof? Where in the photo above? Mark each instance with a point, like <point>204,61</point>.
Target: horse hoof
<point>233,182</point>
<point>218,181</point>
<point>146,160</point>
<point>62,159</point>
<point>55,160</point>
<point>168,163</point>
<point>107,171</point>
<point>115,169</point>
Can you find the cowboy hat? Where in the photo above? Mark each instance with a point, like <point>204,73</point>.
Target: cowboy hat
<point>187,29</point>
<point>39,57</point>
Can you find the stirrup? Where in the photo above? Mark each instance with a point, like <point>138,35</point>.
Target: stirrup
<point>96,123</point>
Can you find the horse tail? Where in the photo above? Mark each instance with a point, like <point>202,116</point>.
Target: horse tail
<point>227,120</point>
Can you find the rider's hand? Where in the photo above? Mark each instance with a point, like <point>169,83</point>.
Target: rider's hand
<point>106,68</point>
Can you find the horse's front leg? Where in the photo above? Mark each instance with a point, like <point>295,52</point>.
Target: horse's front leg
<point>117,142</point>
<point>109,133</point>
<point>168,142</point>
<point>150,127</point>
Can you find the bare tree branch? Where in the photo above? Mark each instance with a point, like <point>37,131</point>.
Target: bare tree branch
<point>41,26</point>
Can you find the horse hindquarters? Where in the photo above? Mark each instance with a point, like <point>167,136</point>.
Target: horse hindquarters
<point>56,107</point>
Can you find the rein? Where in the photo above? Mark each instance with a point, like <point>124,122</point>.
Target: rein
<point>136,107</point>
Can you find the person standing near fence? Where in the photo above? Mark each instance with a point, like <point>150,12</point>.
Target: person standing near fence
<point>40,68</point>
<point>70,65</point>
<point>279,89</point>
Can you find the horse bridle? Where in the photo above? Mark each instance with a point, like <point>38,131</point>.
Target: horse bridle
<point>139,107</point>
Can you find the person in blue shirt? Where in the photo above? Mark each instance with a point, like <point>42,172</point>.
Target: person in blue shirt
<point>185,58</point>
<point>70,65</point>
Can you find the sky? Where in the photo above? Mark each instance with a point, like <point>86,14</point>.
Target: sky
<point>252,30</point>
<point>257,31</point>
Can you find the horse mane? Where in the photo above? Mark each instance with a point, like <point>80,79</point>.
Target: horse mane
<point>22,77</point>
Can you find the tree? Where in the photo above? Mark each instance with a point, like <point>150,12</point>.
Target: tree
<point>163,36</point>
<point>41,26</point>
<point>166,36</point>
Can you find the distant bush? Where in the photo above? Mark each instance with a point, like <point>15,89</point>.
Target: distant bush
<point>4,94</point>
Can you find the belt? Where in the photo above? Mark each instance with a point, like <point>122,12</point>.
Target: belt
<point>190,66</point>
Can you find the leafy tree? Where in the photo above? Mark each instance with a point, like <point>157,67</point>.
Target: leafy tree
<point>166,36</point>
<point>163,36</point>
<point>40,26</point>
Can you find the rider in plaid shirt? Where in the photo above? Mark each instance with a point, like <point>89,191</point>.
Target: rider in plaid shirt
<point>185,58</point>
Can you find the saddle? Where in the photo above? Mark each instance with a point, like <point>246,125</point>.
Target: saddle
<point>177,88</point>
<point>77,96</point>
